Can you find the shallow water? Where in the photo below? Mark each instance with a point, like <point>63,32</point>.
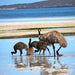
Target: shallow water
<point>38,13</point>
<point>35,20</point>
<point>37,64</point>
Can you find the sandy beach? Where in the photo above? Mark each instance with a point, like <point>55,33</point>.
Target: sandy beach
<point>11,29</point>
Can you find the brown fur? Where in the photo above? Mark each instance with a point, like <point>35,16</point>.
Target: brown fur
<point>19,46</point>
<point>34,44</point>
<point>54,37</point>
<point>30,51</point>
<point>40,45</point>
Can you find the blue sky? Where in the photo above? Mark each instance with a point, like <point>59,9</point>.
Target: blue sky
<point>8,2</point>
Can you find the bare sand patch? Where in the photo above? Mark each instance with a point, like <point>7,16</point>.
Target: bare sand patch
<point>20,28</point>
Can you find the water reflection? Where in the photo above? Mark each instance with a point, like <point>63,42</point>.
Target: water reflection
<point>46,65</point>
<point>31,61</point>
<point>41,61</point>
<point>63,70</point>
<point>20,63</point>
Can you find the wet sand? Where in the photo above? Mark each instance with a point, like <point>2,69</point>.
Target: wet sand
<point>39,24</point>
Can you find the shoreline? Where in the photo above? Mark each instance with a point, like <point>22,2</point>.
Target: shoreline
<point>22,29</point>
<point>36,19</point>
<point>70,23</point>
<point>41,18</point>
